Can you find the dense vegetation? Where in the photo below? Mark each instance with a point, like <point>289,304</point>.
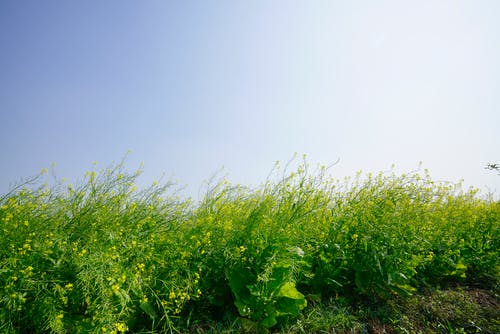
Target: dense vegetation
<point>300,253</point>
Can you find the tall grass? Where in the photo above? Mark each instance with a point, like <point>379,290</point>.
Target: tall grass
<point>105,257</point>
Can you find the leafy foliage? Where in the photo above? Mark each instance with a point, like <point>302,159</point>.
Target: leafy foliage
<point>105,257</point>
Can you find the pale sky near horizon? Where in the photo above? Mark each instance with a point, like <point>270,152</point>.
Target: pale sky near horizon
<point>193,86</point>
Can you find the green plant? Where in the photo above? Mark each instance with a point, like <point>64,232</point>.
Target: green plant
<point>102,256</point>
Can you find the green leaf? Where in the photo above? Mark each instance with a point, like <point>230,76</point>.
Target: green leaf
<point>270,321</point>
<point>288,290</point>
<point>243,308</point>
<point>238,282</point>
<point>403,289</point>
<point>288,306</point>
<point>290,301</point>
<point>149,309</point>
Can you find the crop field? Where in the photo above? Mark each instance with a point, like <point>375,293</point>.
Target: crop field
<point>301,253</point>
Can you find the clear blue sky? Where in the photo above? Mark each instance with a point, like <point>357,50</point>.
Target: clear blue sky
<point>193,86</point>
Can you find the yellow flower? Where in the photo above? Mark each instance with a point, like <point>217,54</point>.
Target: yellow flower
<point>121,327</point>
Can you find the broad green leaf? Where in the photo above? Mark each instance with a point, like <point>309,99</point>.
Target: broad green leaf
<point>238,282</point>
<point>288,306</point>
<point>270,321</point>
<point>288,290</point>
